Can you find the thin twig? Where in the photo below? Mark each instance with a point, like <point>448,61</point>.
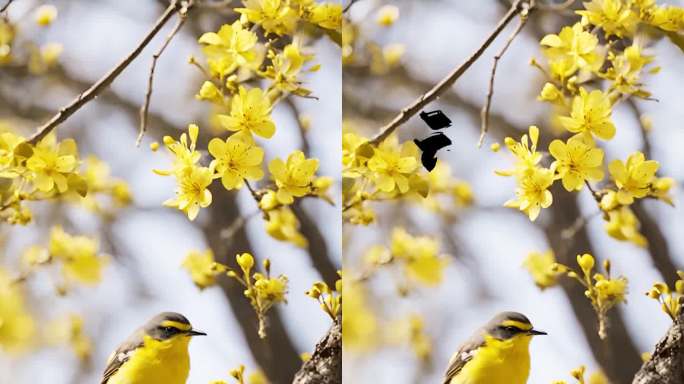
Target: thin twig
<point>4,7</point>
<point>144,110</point>
<point>306,148</point>
<point>488,101</point>
<point>89,94</point>
<point>595,194</point>
<point>450,79</point>
<point>346,8</point>
<point>642,128</point>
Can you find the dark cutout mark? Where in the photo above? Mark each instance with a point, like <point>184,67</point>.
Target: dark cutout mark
<point>430,146</point>
<point>436,120</point>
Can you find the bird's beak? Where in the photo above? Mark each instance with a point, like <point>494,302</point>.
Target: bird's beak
<point>194,332</point>
<point>534,332</point>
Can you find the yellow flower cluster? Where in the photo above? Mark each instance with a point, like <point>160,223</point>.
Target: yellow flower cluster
<point>411,331</point>
<point>633,179</point>
<point>417,256</point>
<point>69,331</point>
<point>602,291</point>
<point>203,268</point>
<point>670,301</point>
<point>391,171</point>
<point>359,50</point>
<point>578,374</point>
<point>329,299</point>
<point>37,59</point>
<point>534,181</point>
<point>234,56</point>
<point>262,290</point>
<point>77,256</point>
<point>542,267</point>
<point>47,170</point>
<point>359,321</point>
<point>280,17</point>
<point>256,377</point>
<point>18,327</point>
<point>576,56</point>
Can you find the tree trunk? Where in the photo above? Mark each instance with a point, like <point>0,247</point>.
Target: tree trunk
<point>666,366</point>
<point>325,365</point>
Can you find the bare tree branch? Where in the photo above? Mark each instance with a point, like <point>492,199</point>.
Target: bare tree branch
<point>144,110</point>
<point>490,93</point>
<point>89,94</point>
<point>448,81</point>
<point>7,4</point>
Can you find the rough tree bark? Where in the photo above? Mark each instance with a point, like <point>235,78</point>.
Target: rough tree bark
<point>666,366</point>
<point>325,365</point>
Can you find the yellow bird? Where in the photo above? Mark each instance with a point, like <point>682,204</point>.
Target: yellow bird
<point>498,353</point>
<point>154,354</point>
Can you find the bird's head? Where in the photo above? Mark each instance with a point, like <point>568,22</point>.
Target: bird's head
<point>511,326</point>
<point>170,325</point>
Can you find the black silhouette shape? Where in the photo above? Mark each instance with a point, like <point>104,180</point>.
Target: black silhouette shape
<point>430,146</point>
<point>436,120</point>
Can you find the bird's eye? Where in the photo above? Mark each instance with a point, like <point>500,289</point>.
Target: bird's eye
<point>511,329</point>
<point>169,329</point>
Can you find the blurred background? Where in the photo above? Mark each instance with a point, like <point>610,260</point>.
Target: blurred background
<point>487,242</point>
<point>146,241</point>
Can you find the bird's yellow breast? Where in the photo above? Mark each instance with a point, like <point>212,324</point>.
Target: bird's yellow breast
<point>156,362</point>
<point>498,362</point>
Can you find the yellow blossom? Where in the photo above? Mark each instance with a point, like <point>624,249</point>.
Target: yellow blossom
<point>576,162</point>
<point>184,152</point>
<point>552,94</point>
<point>294,177</point>
<point>52,164</point>
<point>542,267</point>
<point>209,91</point>
<point>78,255</point>
<point>420,256</point>
<point>610,290</point>
<point>327,15</point>
<point>250,112</point>
<point>591,115</point>
<point>623,225</point>
<point>615,17</point>
<point>668,18</point>
<point>387,15</point>
<point>45,14</point>
<point>17,327</point>
<point>275,16</point>
<point>634,177</point>
<point>392,53</point>
<point>282,224</point>
<point>661,189</point>
<point>236,159</point>
<point>359,322</point>
<point>229,48</point>
<point>525,152</point>
<point>570,50</point>
<point>270,289</point>
<point>625,71</point>
<point>285,68</point>
<point>192,192</point>
<point>532,192</point>
<point>70,331</point>
<point>202,268</point>
<point>391,165</point>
